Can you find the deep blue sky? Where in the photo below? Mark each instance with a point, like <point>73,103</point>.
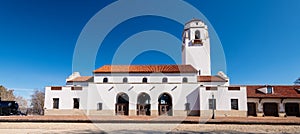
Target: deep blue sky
<point>260,39</point>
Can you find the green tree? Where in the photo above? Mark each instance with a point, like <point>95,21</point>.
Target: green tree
<point>37,102</point>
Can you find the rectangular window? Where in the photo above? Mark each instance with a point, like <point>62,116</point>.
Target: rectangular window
<point>269,90</point>
<point>234,104</point>
<point>55,103</point>
<point>187,106</point>
<point>99,106</point>
<point>56,88</point>
<point>211,88</point>
<point>76,88</point>
<point>76,103</point>
<point>212,103</point>
<point>233,88</point>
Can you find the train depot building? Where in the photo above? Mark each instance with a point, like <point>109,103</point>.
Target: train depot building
<point>188,89</point>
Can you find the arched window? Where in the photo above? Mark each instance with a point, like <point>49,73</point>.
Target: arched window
<point>184,80</point>
<point>105,80</point>
<point>145,80</point>
<point>197,34</point>
<point>165,80</point>
<point>125,80</point>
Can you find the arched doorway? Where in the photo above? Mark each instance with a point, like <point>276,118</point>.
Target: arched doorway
<point>292,109</point>
<point>270,109</point>
<point>122,105</point>
<point>143,105</point>
<point>165,104</point>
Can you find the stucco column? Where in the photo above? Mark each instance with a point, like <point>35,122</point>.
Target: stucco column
<point>154,109</point>
<point>281,110</point>
<point>260,112</point>
<point>132,109</point>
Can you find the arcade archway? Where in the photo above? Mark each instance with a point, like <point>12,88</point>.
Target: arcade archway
<point>165,104</point>
<point>143,105</point>
<point>122,104</point>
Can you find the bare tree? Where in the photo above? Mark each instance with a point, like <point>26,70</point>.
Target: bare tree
<point>6,95</point>
<point>37,102</point>
<point>22,104</point>
<point>297,82</point>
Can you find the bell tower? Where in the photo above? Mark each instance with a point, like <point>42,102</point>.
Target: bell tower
<point>196,46</point>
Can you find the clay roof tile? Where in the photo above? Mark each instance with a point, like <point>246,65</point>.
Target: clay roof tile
<point>82,79</point>
<point>146,69</point>
<point>210,79</point>
<point>278,92</point>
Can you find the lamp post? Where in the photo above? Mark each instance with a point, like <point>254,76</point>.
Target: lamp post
<point>213,107</point>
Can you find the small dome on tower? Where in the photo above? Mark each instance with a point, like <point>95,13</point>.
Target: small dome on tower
<point>195,23</point>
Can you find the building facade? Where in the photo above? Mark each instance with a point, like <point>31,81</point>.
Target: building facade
<point>278,101</point>
<point>170,90</point>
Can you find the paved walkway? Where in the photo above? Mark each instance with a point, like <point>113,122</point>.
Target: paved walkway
<point>151,119</point>
<point>142,128</point>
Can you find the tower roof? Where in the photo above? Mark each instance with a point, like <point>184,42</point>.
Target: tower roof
<point>193,20</point>
<point>195,23</point>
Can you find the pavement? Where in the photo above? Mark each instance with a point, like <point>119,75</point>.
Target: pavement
<point>154,119</point>
<point>142,128</point>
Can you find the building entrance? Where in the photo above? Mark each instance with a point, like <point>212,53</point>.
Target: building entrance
<point>251,109</point>
<point>165,105</point>
<point>270,109</point>
<point>292,109</point>
<point>122,105</point>
<point>143,105</point>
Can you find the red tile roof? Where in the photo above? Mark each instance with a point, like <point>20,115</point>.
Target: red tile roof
<point>210,79</point>
<point>278,92</point>
<point>82,79</point>
<point>146,69</point>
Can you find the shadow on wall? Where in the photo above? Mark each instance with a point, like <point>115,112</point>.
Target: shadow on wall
<point>192,107</point>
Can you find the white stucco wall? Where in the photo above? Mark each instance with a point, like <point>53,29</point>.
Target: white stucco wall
<point>152,78</point>
<point>66,96</point>
<point>192,93</point>
<point>107,93</point>
<point>223,98</point>
<point>198,57</point>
